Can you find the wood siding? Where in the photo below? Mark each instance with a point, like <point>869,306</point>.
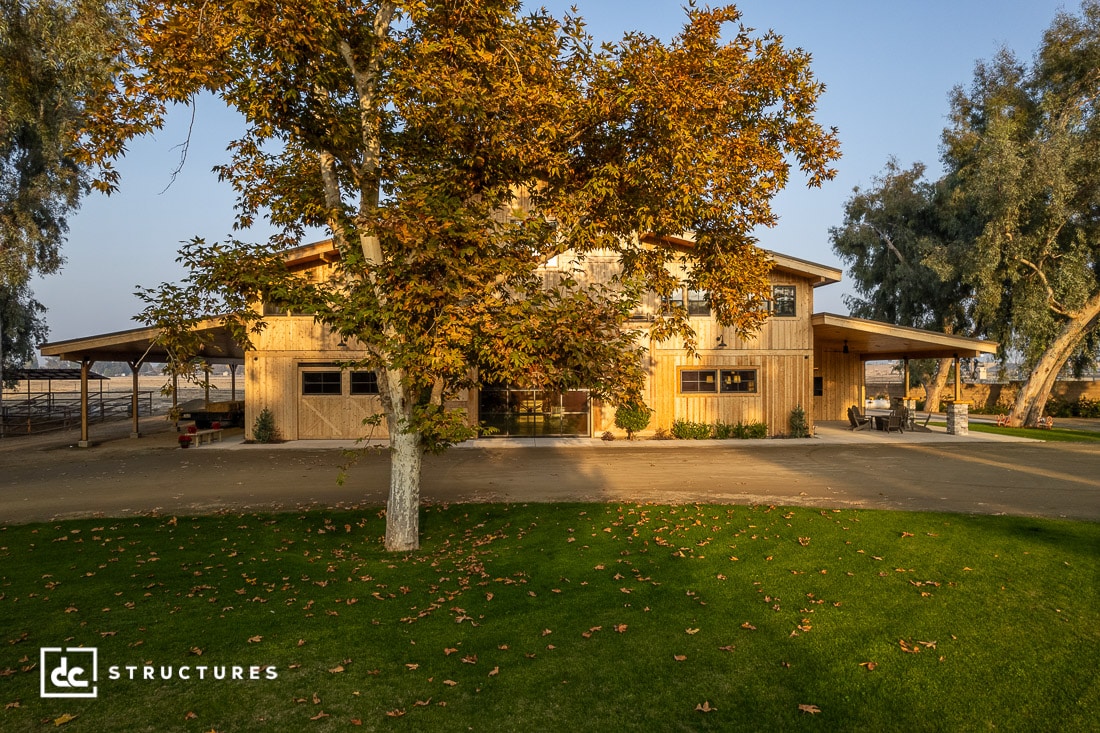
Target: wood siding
<point>782,353</point>
<point>842,384</point>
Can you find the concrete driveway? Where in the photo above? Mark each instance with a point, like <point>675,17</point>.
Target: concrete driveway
<point>43,477</point>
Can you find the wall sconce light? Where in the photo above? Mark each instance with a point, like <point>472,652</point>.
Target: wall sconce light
<point>722,342</point>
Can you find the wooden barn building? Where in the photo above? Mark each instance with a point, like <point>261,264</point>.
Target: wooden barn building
<point>798,359</point>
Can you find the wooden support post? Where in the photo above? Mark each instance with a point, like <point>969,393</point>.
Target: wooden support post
<point>135,367</point>
<point>206,381</point>
<point>175,400</point>
<point>85,367</point>
<point>905,377</point>
<point>233,382</point>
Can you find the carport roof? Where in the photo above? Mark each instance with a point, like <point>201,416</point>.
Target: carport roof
<point>874,340</point>
<point>141,344</point>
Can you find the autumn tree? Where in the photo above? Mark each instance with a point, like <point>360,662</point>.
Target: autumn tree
<point>1021,153</point>
<point>895,234</point>
<point>451,149</point>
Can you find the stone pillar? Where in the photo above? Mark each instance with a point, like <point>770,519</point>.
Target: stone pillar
<point>958,418</point>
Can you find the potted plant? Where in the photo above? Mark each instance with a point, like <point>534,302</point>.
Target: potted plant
<point>185,440</point>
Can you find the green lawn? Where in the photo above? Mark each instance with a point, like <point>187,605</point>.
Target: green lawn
<point>560,617</point>
<point>1054,435</point>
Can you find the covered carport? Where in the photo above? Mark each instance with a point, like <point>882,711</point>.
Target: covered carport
<point>842,344</point>
<point>136,347</point>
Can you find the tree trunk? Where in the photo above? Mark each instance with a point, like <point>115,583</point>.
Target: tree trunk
<point>933,390</point>
<point>1032,397</point>
<point>403,506</point>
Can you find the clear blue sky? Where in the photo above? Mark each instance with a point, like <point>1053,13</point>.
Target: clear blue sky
<point>888,67</point>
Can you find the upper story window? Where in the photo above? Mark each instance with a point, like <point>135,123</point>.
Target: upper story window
<point>695,302</point>
<point>784,301</point>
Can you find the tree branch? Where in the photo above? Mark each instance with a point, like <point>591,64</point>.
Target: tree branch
<point>1052,302</point>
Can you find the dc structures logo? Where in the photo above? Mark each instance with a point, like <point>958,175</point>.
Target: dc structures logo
<point>69,672</point>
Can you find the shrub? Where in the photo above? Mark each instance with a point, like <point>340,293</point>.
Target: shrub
<point>799,426</point>
<point>752,430</point>
<point>632,417</point>
<point>263,429</point>
<point>688,430</point>
<point>662,434</point>
<point>725,430</point>
<point>608,436</point>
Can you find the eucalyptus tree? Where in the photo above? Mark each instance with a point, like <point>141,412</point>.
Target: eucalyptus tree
<point>54,56</point>
<point>894,235</point>
<point>410,129</point>
<point>1021,152</point>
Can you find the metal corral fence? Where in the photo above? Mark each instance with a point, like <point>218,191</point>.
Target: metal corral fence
<point>44,411</point>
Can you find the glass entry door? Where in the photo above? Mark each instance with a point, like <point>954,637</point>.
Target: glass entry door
<point>514,411</point>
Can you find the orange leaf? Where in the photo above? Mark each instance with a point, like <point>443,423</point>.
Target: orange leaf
<point>494,671</point>
<point>811,709</point>
<point>394,713</point>
<point>63,719</point>
<point>705,707</point>
<point>679,657</point>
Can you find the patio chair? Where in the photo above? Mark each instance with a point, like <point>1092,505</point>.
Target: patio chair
<point>894,421</point>
<point>857,420</point>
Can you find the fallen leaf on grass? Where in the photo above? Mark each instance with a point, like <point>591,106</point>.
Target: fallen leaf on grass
<point>320,715</point>
<point>449,651</point>
<point>63,719</point>
<point>422,703</point>
<point>811,709</point>
<point>337,669</point>
<point>255,639</point>
<point>621,628</point>
<point>705,707</point>
<point>394,713</point>
<point>869,665</point>
<point>190,715</point>
<point>679,657</point>
<point>691,631</point>
<point>450,683</point>
<point>727,648</point>
<point>494,671</point>
<point>748,626</point>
